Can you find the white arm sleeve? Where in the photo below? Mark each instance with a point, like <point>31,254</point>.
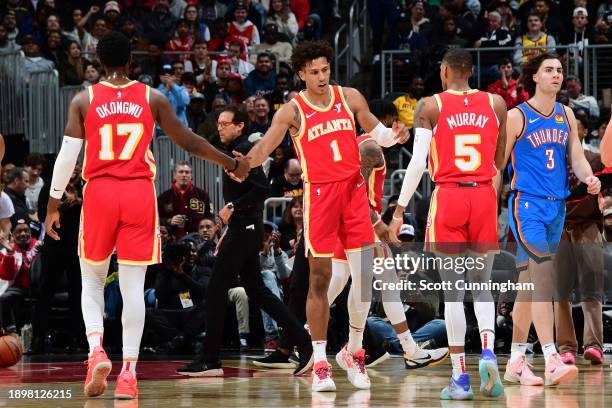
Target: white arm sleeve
<point>64,165</point>
<point>416,167</point>
<point>383,135</point>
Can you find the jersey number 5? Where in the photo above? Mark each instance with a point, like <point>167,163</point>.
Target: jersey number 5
<point>133,131</point>
<point>467,157</point>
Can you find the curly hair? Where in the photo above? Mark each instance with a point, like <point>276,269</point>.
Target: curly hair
<point>114,50</point>
<point>308,51</point>
<point>530,67</point>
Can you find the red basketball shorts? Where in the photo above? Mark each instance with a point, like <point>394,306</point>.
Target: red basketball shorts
<point>462,218</point>
<point>120,214</point>
<point>337,212</point>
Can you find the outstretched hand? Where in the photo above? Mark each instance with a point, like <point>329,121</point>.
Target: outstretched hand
<point>243,169</point>
<point>400,132</point>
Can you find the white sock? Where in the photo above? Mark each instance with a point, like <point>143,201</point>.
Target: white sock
<point>458,360</point>
<point>548,350</point>
<point>129,365</point>
<point>517,350</point>
<point>93,278</point>
<point>355,342</point>
<point>94,341</point>
<point>487,339</point>
<point>319,350</point>
<point>407,342</point>
<point>131,283</point>
<point>339,278</point>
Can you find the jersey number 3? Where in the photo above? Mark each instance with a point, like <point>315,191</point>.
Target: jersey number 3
<point>467,157</point>
<point>133,131</point>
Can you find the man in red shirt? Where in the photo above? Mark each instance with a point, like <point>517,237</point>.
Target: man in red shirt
<point>507,87</point>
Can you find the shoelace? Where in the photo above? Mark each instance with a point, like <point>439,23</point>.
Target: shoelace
<point>123,378</point>
<point>322,373</point>
<point>360,361</point>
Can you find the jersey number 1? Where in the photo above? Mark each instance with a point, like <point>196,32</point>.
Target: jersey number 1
<point>133,131</point>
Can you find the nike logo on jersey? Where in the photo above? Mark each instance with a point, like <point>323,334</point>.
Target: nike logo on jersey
<point>311,115</point>
<point>526,205</point>
<point>55,189</point>
<point>533,120</point>
<point>360,184</point>
<point>251,227</point>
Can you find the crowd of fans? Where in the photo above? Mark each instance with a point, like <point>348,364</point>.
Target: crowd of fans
<point>205,56</point>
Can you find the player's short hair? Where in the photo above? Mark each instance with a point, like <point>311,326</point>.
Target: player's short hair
<point>308,51</point>
<point>16,174</point>
<point>382,107</point>
<point>114,50</point>
<point>35,159</point>
<point>529,69</point>
<point>240,116</point>
<point>459,60</point>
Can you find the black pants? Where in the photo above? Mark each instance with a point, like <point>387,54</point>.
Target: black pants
<point>56,262</point>
<point>169,323</point>
<point>11,307</point>
<point>239,255</point>
<point>298,290</point>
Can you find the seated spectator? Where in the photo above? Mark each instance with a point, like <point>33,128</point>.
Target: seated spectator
<point>196,111</point>
<point>292,225</point>
<point>581,34</point>
<point>405,38</point>
<point>132,32</point>
<point>262,121</point>
<point>534,41</point>
<point>152,63</point>
<point>182,40</point>
<point>79,21</point>
<point>418,21</point>
<point>178,69</point>
<point>262,80</point>
<point>281,91</point>
<point>273,269</point>
<point>200,63</point>
<point>183,205</point>
<point>207,241</point>
<point>72,68</point>
<point>271,43</point>
<point>198,29</point>
<point>550,18</point>
<point>277,166</point>
<point>17,184</point>
<point>238,65</point>
<point>211,10</point>
<point>176,94</point>
<point>160,22</point>
<point>218,87</point>
<point>579,101</point>
<point>447,37</point>
<point>603,26</point>
<point>280,14</point>
<point>221,37</point>
<point>243,28</point>
<point>494,37</point>
<point>10,22</point>
<point>509,20</point>
<point>52,47</point>
<point>34,164</point>
<point>208,129</point>
<point>255,12</point>
<point>177,8</point>
<point>7,46</point>
<point>508,87</point>
<point>93,73</point>
<point>15,259</point>
<point>34,62</point>
<point>112,12</point>
<point>406,104</point>
<point>290,184</point>
<point>97,32</point>
<point>235,89</point>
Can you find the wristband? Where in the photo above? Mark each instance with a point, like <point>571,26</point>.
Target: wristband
<point>236,166</point>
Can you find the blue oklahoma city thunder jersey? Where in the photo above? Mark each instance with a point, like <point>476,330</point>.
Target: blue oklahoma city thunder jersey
<point>538,164</point>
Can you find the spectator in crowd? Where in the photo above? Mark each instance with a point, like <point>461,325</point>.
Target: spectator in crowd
<point>235,89</point>
<point>17,184</point>
<point>211,10</point>
<point>273,262</point>
<point>208,129</point>
<point>72,68</point>
<point>177,8</point>
<point>221,36</point>
<point>262,80</point>
<point>279,161</point>
<point>184,204</point>
<point>262,120</point>
<point>182,40</point>
<point>176,94</point>
<point>52,47</point>
<point>79,22</point>
<point>34,164</point>
<point>15,259</point>
<point>238,65</point>
<point>196,111</point>
<point>249,107</point>
<point>281,91</point>
<point>579,101</point>
<point>509,20</point>
<point>201,63</point>
<point>111,15</point>
<point>217,86</point>
<point>550,19</point>
<point>467,13</point>
<point>93,73</point>
<point>178,69</point>
<point>406,104</point>
<point>7,46</point>
<point>97,32</point>
<point>280,14</point>
<point>292,225</point>
<point>581,35</point>
<point>290,184</point>
<point>10,22</point>
<point>381,11</point>
<point>420,23</point>
<point>301,9</point>
<point>508,87</point>
<point>153,62</point>
<point>405,38</point>
<point>447,37</point>
<point>160,22</point>
<point>59,259</point>
<point>534,41</point>
<point>603,26</point>
<point>198,29</point>
<point>34,62</point>
<point>255,12</point>
<point>243,28</point>
<point>6,169</point>
<point>495,36</point>
<point>207,241</point>
<point>132,32</point>
<point>282,50</point>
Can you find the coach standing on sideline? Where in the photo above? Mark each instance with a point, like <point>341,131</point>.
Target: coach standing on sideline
<point>238,254</point>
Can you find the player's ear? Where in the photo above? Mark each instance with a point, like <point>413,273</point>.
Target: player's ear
<point>302,75</point>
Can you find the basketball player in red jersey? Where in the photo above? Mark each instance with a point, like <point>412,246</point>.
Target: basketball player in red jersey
<point>322,120</point>
<point>466,130</point>
<point>116,118</point>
